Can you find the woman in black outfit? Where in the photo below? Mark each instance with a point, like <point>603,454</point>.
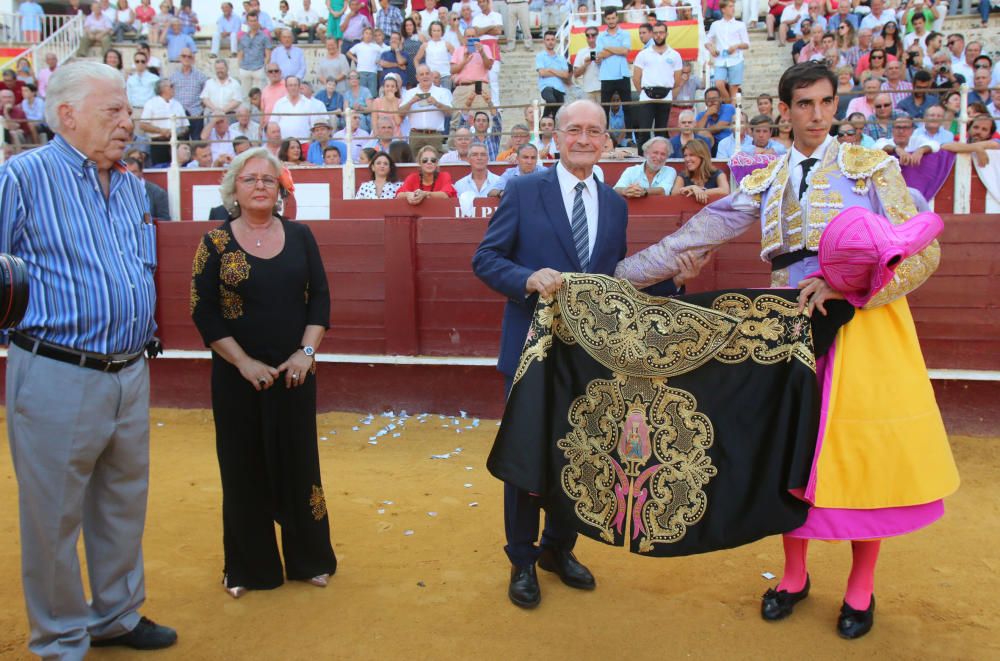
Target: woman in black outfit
<point>699,179</point>
<point>260,300</point>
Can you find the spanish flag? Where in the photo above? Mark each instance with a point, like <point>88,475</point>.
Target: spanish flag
<point>682,36</point>
<point>10,54</point>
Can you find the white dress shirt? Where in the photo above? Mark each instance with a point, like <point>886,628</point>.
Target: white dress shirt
<point>466,184</point>
<point>296,125</point>
<point>567,184</point>
<point>795,161</point>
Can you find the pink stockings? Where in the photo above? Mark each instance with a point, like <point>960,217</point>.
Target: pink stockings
<point>860,583</point>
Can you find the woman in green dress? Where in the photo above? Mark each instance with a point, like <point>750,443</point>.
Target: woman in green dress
<point>336,9</point>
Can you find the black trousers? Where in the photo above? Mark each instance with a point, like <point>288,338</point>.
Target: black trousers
<point>624,88</point>
<point>553,101</point>
<point>521,511</point>
<point>653,117</point>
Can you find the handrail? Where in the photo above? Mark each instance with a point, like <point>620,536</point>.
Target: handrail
<point>64,41</point>
<point>12,28</point>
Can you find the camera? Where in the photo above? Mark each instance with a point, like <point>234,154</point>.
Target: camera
<point>478,85</point>
<point>13,290</point>
<point>943,69</point>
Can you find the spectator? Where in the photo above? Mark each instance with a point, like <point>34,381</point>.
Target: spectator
<point>291,153</point>
<point>932,128</point>
<point>189,83</point>
<point>34,110</point>
<point>917,103</point>
<point>161,22</point>
<point>865,104</point>
<point>292,111</point>
<point>791,17</point>
<point>176,41</point>
<point>97,28</point>
<point>388,18</point>
<point>489,24</point>
<point>154,62</point>
<point>155,120</point>
<point>11,83</point>
<point>858,122</point>
<point>274,91</point>
<point>699,179</point>
<point>227,27</point>
<point>308,22</point>
<point>384,184</point>
<point>848,135</point>
<point>714,121</point>
<point>14,121</point>
<point>45,73</point>
<point>287,56</point>
<point>272,138</point>
<point>519,136</point>
<point>651,177</point>
<point>943,75</point>
<point>586,70</point>
<point>726,41</point>
<point>486,130</point>
<point>393,61</point>
<point>553,74</point>
<point>518,14</point>
<point>813,49</point>
<point>400,152</point>
<point>956,50</point>
<point>365,55</point>
<point>123,23</point>
<point>880,124</point>
<point>333,65</point>
<point>188,19</point>
<point>898,89</point>
<point>546,140</point>
<point>221,94</point>
<point>762,141</point>
<point>426,106</point>
<point>470,73</point>
<point>981,138</point>
<point>892,40</point>
<point>613,46</point>
<point>31,21</point>
<point>253,52</point>
<point>353,24</point>
<point>731,145</point>
<point>908,147</point>
<point>428,15</point>
<point>437,53</point>
<point>847,45</point>
<point>480,181</point>
<point>980,92</point>
<point>245,126</point>
<point>803,31</point>
<point>527,163</point>
<point>330,97</point>
<point>685,96</point>
<point>321,141</point>
<point>334,156</point>
<point>156,198</point>
<point>429,181</point>
<point>461,140</point>
<point>918,35</point>
<point>385,133</point>
<point>657,71</point>
<point>878,17</point>
<point>141,84</point>
<point>844,16</point>
<point>144,15</point>
<point>765,106</point>
<point>266,22</point>
<point>687,124</point>
<point>553,14</point>
<point>359,138</point>
<point>219,138</point>
<point>358,98</point>
<point>241,144</point>
<point>284,18</point>
<point>993,107</point>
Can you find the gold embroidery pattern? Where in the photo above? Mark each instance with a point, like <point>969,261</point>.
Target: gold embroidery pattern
<point>194,297</point>
<point>858,162</point>
<point>637,462</point>
<point>636,334</point>
<point>220,239</point>
<point>771,238</point>
<point>759,180</point>
<point>539,338</point>
<point>200,259</point>
<point>231,303</point>
<point>234,268</point>
<point>317,503</point>
<point>771,330</point>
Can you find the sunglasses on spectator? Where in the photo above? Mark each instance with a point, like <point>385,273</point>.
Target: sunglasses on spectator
<point>140,61</point>
<point>952,42</point>
<point>878,57</point>
<point>274,70</point>
<point>883,105</point>
<point>848,133</point>
<point>429,159</point>
<point>591,34</point>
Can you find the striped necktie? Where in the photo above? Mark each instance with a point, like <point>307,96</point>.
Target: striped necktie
<point>581,237</point>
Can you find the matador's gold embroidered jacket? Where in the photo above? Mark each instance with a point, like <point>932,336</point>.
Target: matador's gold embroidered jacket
<point>846,176</point>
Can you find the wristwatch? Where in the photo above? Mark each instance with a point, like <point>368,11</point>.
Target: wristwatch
<point>308,350</point>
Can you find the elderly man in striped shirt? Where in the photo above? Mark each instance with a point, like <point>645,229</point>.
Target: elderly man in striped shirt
<point>77,380</point>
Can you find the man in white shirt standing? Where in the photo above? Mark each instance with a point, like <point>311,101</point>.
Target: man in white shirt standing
<point>489,27</point>
<point>221,94</point>
<point>291,112</point>
<point>428,15</point>
<point>427,127</point>
<point>878,17</point>
<point>726,41</point>
<point>586,70</point>
<point>480,180</point>
<point>226,27</point>
<point>289,57</point>
<point>365,55</point>
<point>655,73</point>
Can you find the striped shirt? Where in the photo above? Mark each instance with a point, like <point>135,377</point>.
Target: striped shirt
<point>90,259</point>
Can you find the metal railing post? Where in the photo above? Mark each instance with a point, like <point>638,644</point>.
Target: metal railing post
<point>348,172</point>
<point>963,162</point>
<point>174,174</point>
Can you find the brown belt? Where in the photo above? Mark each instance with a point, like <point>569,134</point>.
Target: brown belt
<point>481,82</point>
<point>424,131</point>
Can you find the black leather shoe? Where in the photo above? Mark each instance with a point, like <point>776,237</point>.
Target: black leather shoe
<point>779,604</point>
<point>854,623</point>
<point>524,590</point>
<point>147,635</point>
<point>568,567</point>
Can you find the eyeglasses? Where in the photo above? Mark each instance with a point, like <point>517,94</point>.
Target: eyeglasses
<point>274,70</point>
<point>877,57</point>
<point>883,105</point>
<point>429,159</point>
<point>250,181</point>
<point>591,34</point>
<point>577,131</point>
<point>188,56</point>
<point>952,42</point>
<point>848,133</point>
<point>140,61</point>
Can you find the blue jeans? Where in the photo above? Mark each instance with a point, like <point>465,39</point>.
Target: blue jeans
<point>369,79</point>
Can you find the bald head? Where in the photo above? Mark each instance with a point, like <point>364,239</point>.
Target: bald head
<point>583,108</point>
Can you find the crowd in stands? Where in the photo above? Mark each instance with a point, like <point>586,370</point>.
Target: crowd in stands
<point>424,88</point>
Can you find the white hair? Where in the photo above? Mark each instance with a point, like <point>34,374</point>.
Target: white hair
<point>652,141</point>
<point>71,85</point>
<point>227,189</point>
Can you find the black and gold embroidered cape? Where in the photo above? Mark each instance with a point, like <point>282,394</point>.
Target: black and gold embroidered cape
<point>670,425</point>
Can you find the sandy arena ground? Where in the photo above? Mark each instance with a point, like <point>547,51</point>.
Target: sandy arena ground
<point>439,592</point>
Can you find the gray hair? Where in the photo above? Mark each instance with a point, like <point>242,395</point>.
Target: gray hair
<point>652,141</point>
<point>563,112</point>
<point>160,84</point>
<point>227,189</point>
<point>69,86</point>
<point>525,147</point>
<point>686,113</point>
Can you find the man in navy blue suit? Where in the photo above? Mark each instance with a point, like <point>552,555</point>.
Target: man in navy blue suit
<point>548,222</point>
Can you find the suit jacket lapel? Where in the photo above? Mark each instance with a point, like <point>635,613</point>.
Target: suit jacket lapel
<point>552,201</point>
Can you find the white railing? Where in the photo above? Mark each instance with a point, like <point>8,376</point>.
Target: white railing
<point>64,42</point>
<point>12,28</point>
